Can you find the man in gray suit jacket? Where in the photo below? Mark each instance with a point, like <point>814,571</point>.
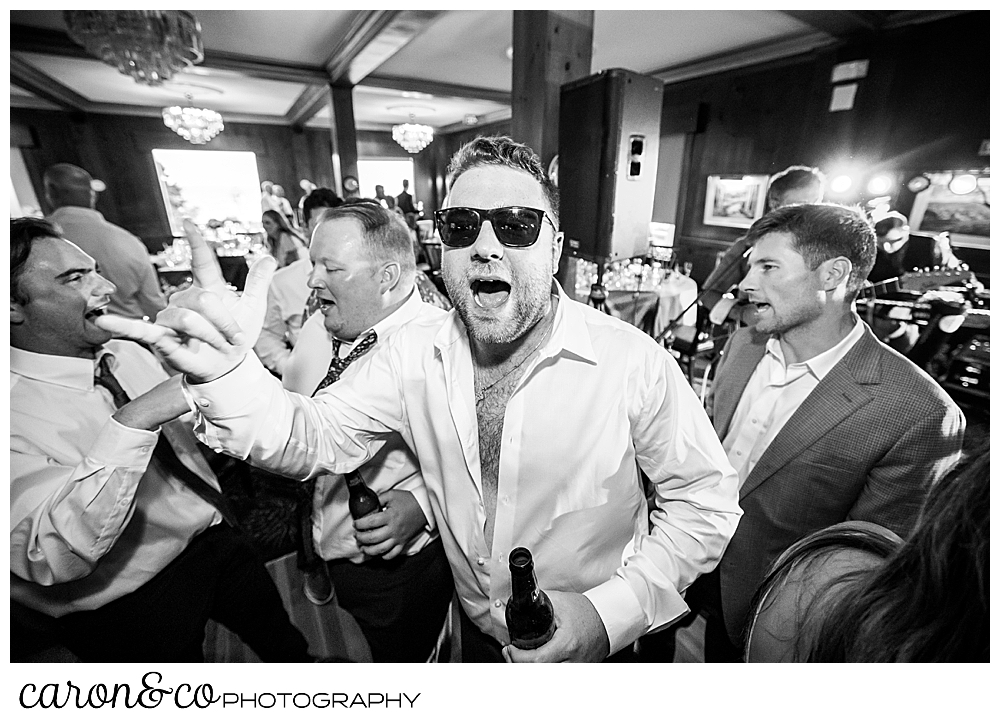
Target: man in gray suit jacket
<point>822,422</point>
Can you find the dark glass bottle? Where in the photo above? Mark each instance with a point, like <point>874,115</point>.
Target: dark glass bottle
<point>530,620</point>
<point>363,500</point>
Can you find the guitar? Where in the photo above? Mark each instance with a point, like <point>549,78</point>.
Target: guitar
<point>918,281</point>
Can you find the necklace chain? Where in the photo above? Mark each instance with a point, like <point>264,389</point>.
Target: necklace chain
<point>481,395</point>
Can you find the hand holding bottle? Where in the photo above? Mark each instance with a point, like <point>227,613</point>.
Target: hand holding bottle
<point>580,636</point>
<point>386,532</point>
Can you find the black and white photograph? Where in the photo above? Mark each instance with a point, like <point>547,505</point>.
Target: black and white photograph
<point>401,338</point>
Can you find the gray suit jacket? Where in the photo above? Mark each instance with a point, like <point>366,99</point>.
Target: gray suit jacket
<point>866,444</point>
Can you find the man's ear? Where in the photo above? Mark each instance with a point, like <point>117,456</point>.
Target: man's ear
<point>389,276</point>
<point>557,247</point>
<point>836,272</point>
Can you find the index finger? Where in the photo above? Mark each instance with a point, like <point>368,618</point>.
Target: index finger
<point>204,265</point>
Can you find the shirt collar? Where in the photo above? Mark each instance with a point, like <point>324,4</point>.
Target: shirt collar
<point>821,364</point>
<point>65,211</point>
<point>64,371</point>
<point>407,312</point>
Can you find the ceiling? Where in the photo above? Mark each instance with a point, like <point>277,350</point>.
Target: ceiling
<point>274,66</point>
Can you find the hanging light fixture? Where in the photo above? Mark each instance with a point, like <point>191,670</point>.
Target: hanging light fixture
<point>195,125</point>
<point>414,137</point>
<point>148,45</point>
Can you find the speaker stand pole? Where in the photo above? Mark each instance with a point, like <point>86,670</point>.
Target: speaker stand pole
<point>598,294</point>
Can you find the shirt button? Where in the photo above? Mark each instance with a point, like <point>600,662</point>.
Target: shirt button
<point>738,453</point>
<point>754,421</point>
<point>497,603</point>
<point>480,561</point>
<point>506,500</point>
<point>143,449</point>
<point>203,402</point>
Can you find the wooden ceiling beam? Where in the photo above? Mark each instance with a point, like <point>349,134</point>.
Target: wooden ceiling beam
<point>310,102</point>
<point>28,77</point>
<point>447,90</point>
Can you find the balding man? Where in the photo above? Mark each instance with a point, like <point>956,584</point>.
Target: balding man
<point>121,257</point>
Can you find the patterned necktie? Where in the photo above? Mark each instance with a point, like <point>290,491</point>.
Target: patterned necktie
<point>338,365</point>
<point>163,451</point>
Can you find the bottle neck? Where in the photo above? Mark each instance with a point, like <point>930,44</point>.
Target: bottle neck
<point>522,581</point>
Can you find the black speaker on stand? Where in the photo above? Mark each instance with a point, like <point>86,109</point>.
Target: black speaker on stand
<point>609,136</point>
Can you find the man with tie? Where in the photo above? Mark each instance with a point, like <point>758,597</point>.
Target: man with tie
<point>389,568</point>
<point>118,546</point>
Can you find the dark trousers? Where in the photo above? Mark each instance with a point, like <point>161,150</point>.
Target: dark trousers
<point>400,604</point>
<point>705,597</point>
<point>220,577</point>
<point>478,647</point>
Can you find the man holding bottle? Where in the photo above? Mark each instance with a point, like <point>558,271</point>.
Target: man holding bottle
<point>530,416</point>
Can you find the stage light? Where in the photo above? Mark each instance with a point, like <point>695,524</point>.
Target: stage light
<point>841,184</point>
<point>963,183</point>
<point>879,185</point>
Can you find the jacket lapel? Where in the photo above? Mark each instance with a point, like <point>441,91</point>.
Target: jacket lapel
<point>740,359</point>
<point>839,394</point>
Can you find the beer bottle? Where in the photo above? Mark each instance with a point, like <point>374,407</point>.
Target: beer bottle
<point>530,619</point>
<point>363,500</point>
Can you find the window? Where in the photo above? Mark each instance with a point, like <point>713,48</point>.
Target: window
<point>211,187</point>
<point>386,172</point>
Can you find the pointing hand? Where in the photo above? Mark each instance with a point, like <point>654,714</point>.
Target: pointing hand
<point>206,330</point>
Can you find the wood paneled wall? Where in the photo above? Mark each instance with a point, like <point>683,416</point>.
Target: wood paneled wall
<point>923,106</point>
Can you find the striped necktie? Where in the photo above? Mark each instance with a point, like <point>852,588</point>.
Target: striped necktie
<point>163,451</point>
<point>338,365</point>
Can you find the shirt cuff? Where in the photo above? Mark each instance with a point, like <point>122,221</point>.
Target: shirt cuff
<point>118,445</point>
<point>623,618</point>
<point>226,396</point>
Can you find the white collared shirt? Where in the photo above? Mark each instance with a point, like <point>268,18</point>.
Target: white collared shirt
<point>93,515</point>
<point>286,300</point>
<point>772,395</point>
<point>600,397</point>
<point>393,468</point>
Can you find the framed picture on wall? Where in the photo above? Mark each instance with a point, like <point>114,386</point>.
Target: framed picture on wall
<point>965,216</point>
<point>735,200</point>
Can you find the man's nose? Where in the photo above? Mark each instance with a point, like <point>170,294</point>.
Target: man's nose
<point>487,245</point>
<point>748,282</point>
<point>314,280</point>
<point>105,287</point>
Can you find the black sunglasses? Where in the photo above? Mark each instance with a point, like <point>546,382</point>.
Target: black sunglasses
<point>514,226</point>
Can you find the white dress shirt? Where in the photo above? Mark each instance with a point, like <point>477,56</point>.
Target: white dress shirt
<point>599,398</point>
<point>772,395</point>
<point>286,300</point>
<point>93,515</point>
<point>392,468</point>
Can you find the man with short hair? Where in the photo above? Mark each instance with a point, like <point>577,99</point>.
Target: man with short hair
<point>289,291</point>
<point>529,413</point>
<point>117,539</point>
<point>794,185</point>
<point>122,258</point>
<point>389,569</point>
<point>822,422</point>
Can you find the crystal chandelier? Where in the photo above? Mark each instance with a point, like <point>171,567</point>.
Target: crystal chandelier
<point>148,45</point>
<point>414,137</point>
<point>195,125</point>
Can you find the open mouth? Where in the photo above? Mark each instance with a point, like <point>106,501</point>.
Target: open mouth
<point>324,304</point>
<point>94,313</point>
<point>490,293</point>
<point>761,307</point>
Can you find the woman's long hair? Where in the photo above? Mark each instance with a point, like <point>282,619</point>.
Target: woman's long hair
<point>283,227</point>
<point>929,601</point>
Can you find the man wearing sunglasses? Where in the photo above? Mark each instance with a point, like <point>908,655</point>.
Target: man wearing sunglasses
<point>529,413</point>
